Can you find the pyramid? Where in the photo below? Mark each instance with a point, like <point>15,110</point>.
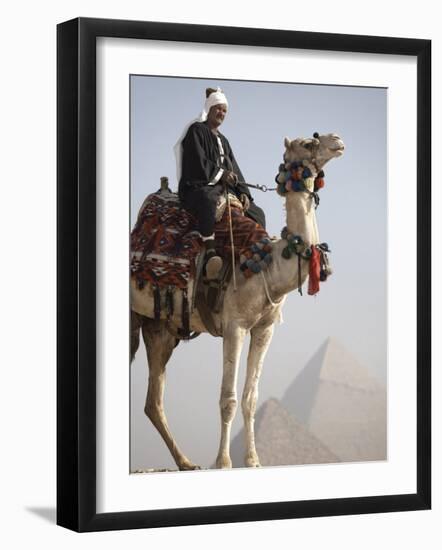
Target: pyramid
<point>281,440</point>
<point>340,403</point>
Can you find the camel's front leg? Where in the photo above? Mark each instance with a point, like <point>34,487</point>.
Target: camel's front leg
<point>259,344</point>
<point>232,344</point>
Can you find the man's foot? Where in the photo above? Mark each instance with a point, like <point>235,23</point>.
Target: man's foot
<point>214,264</point>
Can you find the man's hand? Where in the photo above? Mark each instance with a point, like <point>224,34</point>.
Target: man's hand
<point>229,178</point>
<point>245,201</point>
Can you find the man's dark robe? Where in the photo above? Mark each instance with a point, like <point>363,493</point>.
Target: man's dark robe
<point>201,166</point>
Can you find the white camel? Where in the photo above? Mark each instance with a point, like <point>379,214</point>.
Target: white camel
<point>252,308</point>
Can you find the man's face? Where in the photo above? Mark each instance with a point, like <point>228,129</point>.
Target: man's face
<point>217,114</point>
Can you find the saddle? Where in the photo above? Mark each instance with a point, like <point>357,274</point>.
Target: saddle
<point>222,205</point>
<point>167,253</point>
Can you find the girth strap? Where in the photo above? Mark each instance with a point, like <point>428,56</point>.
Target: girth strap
<point>205,313</point>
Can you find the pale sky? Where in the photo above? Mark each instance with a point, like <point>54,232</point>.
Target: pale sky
<point>352,219</point>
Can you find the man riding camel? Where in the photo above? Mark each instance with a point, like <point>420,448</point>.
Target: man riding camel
<point>206,167</point>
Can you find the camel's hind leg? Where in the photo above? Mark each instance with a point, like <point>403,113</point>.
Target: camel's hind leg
<point>259,343</point>
<point>159,345</point>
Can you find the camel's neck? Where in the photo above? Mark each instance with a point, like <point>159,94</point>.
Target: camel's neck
<point>301,217</point>
<point>283,274</point>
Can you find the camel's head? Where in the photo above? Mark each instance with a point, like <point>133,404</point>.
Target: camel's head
<point>316,151</point>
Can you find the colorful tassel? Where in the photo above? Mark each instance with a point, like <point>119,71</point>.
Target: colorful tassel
<point>314,272</point>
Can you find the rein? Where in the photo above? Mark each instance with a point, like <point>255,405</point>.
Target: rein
<point>298,185</point>
<point>263,188</point>
<point>313,194</point>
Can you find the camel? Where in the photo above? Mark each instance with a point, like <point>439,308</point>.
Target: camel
<point>254,308</point>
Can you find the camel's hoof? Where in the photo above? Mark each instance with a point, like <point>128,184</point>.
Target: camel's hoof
<point>223,463</point>
<point>252,462</point>
<point>187,465</point>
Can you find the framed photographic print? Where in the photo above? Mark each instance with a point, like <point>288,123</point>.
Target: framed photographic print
<point>243,274</point>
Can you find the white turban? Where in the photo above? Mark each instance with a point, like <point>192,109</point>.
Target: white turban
<point>215,98</point>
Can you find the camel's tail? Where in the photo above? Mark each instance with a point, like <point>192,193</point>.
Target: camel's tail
<point>135,327</point>
<point>137,322</point>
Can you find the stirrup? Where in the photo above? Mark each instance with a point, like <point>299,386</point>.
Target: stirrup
<point>213,266</point>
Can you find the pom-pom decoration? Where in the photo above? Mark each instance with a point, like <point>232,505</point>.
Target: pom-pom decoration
<point>281,189</point>
<point>319,183</point>
<point>297,176</point>
<point>256,258</point>
<point>297,185</point>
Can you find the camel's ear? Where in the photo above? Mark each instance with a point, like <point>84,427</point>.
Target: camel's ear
<point>287,143</point>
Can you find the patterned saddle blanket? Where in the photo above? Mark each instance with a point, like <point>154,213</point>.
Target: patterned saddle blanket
<point>165,246</point>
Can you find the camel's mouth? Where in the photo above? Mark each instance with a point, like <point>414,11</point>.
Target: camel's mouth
<point>338,148</point>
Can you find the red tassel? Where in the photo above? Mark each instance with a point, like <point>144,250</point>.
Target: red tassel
<point>315,272</point>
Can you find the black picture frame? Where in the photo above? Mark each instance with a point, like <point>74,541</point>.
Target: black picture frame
<point>76,274</point>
